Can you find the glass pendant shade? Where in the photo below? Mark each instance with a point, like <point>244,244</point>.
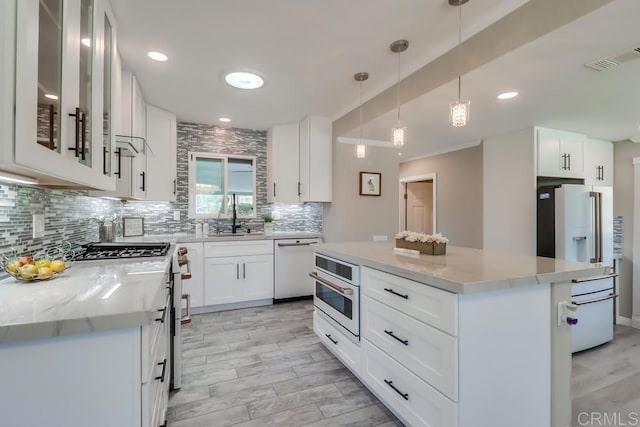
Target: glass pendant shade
<point>361,151</point>
<point>459,113</point>
<point>399,136</point>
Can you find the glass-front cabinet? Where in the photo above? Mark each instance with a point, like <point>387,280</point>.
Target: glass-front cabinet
<point>64,90</point>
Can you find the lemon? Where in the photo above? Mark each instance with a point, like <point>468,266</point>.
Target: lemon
<point>57,266</point>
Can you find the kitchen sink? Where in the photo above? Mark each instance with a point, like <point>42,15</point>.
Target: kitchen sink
<point>238,234</point>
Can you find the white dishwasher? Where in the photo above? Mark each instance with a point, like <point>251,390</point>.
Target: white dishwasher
<point>293,263</point>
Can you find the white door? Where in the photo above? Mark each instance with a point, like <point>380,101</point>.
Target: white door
<point>419,206</point>
<point>161,157</point>
<point>256,272</point>
<point>222,280</point>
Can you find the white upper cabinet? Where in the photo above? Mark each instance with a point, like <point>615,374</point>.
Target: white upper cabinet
<point>161,155</point>
<point>299,164</point>
<point>315,160</point>
<point>598,162</point>
<point>560,153</point>
<point>283,169</point>
<point>60,57</point>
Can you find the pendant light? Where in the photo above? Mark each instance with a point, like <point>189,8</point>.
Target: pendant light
<point>399,133</point>
<point>361,149</point>
<point>459,111</point>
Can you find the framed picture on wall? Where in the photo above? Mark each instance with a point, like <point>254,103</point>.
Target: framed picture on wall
<point>370,183</point>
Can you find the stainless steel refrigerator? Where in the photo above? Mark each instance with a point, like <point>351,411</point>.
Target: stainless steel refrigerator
<point>575,222</point>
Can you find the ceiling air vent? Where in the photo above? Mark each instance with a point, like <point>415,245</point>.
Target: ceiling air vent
<point>614,60</point>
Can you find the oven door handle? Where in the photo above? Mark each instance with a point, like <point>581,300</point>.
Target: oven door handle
<point>343,291</point>
<point>187,317</point>
<point>591,301</point>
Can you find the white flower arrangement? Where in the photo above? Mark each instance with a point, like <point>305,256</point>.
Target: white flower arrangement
<point>412,236</point>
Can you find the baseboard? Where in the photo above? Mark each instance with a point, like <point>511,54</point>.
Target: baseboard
<point>635,322</point>
<point>624,321</point>
<point>291,299</point>
<point>231,306</point>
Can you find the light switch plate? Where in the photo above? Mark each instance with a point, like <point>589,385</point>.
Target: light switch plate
<point>38,225</point>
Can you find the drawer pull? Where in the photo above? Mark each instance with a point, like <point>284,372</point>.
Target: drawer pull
<point>405,396</point>
<point>164,367</point>
<point>331,339</point>
<point>161,318</point>
<point>391,291</point>
<point>390,333</point>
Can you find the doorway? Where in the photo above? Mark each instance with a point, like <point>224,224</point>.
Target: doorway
<point>418,203</point>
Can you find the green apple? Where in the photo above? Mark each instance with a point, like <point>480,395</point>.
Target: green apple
<point>29,272</point>
<point>12,268</point>
<point>43,262</point>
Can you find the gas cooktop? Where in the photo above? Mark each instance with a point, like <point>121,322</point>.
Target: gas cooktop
<point>100,251</point>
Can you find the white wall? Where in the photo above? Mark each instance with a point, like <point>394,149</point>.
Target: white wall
<point>351,217</point>
<point>509,189</point>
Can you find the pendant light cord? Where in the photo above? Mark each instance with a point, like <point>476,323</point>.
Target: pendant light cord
<point>459,50</point>
<point>398,88</point>
<point>360,111</point>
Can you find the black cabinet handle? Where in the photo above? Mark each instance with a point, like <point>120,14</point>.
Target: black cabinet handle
<point>83,139</point>
<point>142,174</point>
<point>175,186</point>
<point>405,396</point>
<point>104,160</point>
<point>390,333</point>
<point>274,189</point>
<point>244,270</point>
<point>119,156</point>
<point>569,161</point>
<point>331,339</point>
<point>161,318</point>
<point>391,291</point>
<point>237,271</point>
<point>77,116</point>
<point>164,367</point>
<point>299,192</point>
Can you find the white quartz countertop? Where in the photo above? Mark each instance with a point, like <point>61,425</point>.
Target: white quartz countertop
<point>462,270</point>
<point>88,296</point>
<point>223,237</point>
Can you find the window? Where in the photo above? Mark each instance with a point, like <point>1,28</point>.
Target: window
<point>214,179</point>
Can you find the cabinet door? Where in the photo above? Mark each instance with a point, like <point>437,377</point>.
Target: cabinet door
<point>161,157</point>
<point>572,146</point>
<point>283,149</point>
<point>560,153</point>
<point>598,162</point>
<point>222,280</point>
<point>315,160</point>
<point>257,273</point>
<point>195,285</point>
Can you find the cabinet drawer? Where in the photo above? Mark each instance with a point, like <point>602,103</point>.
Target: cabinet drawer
<point>246,247</point>
<point>338,343</point>
<point>432,306</point>
<point>427,352</point>
<point>412,399</point>
<point>154,342</point>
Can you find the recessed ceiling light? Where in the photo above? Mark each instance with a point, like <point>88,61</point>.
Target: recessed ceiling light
<point>51,96</point>
<point>224,119</point>
<point>243,80</point>
<point>86,42</point>
<point>157,56</point>
<point>507,95</point>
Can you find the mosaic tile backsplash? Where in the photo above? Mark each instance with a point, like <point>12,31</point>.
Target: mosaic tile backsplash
<point>73,216</point>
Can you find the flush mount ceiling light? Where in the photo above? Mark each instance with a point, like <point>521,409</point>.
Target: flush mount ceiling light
<point>508,95</point>
<point>224,119</point>
<point>361,149</point>
<point>459,111</point>
<point>51,96</point>
<point>157,56</point>
<point>399,133</point>
<point>86,41</point>
<point>244,80</point>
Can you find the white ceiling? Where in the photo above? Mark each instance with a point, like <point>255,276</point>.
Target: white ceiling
<point>308,51</point>
<point>556,89</point>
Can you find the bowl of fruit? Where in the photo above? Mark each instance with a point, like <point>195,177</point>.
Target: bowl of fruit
<point>41,266</point>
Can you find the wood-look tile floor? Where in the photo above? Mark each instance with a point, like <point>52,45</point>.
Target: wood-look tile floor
<point>606,382</point>
<point>264,366</point>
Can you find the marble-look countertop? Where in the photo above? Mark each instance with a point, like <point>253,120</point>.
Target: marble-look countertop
<point>223,237</point>
<point>463,270</point>
<point>89,296</point>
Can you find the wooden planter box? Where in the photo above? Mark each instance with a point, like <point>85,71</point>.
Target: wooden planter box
<point>423,248</point>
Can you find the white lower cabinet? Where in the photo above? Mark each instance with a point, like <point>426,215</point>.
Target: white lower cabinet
<point>337,342</point>
<point>425,351</point>
<point>414,400</point>
<point>237,272</point>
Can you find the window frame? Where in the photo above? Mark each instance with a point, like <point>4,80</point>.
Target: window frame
<point>193,155</point>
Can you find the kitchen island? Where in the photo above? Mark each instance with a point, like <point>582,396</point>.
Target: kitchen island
<point>89,347</point>
<point>471,338</point>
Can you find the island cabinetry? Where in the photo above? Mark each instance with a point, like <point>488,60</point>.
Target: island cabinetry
<point>440,359</point>
<point>343,347</point>
<point>560,153</point>
<point>237,272</point>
